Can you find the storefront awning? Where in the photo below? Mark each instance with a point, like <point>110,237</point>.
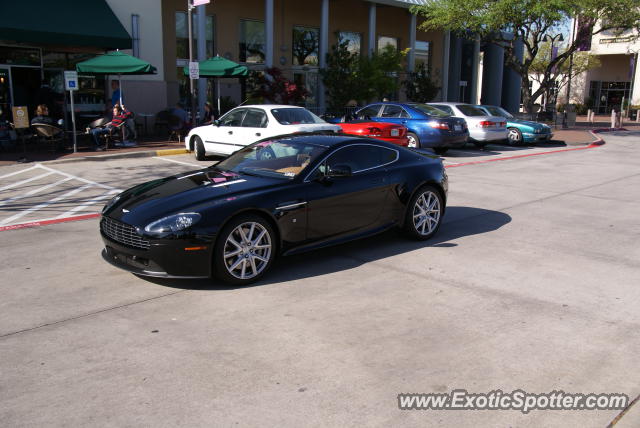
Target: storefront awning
<point>63,22</point>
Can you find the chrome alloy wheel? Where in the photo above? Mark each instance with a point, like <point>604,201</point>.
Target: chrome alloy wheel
<point>514,136</point>
<point>247,250</point>
<point>426,213</point>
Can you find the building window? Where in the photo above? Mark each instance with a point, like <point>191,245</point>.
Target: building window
<point>384,41</point>
<point>305,45</point>
<point>182,35</point>
<point>135,34</point>
<point>252,42</point>
<point>423,53</point>
<point>354,41</point>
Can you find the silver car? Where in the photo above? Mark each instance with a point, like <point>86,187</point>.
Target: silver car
<point>483,129</point>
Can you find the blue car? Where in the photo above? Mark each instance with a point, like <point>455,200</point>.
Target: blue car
<point>427,126</point>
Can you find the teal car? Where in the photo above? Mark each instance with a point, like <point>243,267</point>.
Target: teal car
<point>520,131</point>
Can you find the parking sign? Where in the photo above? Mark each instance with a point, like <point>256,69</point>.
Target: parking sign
<point>194,70</point>
<point>71,80</point>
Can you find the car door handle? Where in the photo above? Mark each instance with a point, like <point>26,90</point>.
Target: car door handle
<point>230,132</point>
<point>258,134</point>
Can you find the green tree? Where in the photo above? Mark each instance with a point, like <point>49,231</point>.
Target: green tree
<point>530,21</point>
<point>341,76</point>
<point>380,72</point>
<point>419,86</point>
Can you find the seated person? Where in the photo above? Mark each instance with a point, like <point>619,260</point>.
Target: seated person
<point>129,123</point>
<point>179,112</point>
<point>208,114</point>
<point>119,116</point>
<point>42,117</point>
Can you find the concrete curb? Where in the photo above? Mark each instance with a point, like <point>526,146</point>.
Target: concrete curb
<point>116,156</point>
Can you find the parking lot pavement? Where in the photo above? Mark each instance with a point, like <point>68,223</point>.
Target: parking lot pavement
<point>530,284</point>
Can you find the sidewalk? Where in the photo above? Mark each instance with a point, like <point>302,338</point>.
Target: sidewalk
<point>576,136</point>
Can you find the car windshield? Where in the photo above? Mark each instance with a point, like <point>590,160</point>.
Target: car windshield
<point>278,158</point>
<point>468,110</point>
<point>295,116</point>
<point>498,111</point>
<point>430,110</point>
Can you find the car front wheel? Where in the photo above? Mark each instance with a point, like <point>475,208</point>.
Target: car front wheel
<point>245,250</point>
<point>424,213</point>
<point>514,136</point>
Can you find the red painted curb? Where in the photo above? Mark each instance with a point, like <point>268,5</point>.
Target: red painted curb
<point>593,145</point>
<point>47,222</point>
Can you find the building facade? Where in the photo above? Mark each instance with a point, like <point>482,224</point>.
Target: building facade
<point>291,35</point>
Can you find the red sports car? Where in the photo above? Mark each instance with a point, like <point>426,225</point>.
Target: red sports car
<point>392,133</point>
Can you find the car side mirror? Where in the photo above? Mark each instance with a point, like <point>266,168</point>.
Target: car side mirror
<point>340,171</point>
<point>216,123</point>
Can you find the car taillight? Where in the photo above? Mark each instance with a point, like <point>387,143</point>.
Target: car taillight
<point>374,132</point>
<point>439,125</point>
<point>503,124</point>
<point>486,124</point>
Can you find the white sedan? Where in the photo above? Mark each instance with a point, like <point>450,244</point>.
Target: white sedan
<point>248,124</point>
<point>483,129</point>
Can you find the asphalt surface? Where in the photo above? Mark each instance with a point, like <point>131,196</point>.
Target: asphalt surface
<point>530,284</point>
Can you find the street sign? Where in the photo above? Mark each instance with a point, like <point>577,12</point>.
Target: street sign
<point>20,117</point>
<point>71,80</point>
<point>194,70</point>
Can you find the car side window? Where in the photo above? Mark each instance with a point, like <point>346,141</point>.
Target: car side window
<point>233,118</point>
<point>368,112</point>
<point>360,157</point>
<point>392,111</point>
<point>255,119</point>
<point>444,108</point>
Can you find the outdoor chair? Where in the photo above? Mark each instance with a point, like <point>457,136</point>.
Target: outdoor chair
<point>161,121</point>
<point>49,134</point>
<point>176,128</point>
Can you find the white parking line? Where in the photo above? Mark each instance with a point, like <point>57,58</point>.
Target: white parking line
<point>45,204</point>
<point>90,202</point>
<point>18,172</point>
<point>84,180</point>
<point>176,161</point>
<point>20,183</point>
<point>34,191</point>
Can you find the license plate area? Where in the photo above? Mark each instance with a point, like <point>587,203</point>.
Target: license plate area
<point>457,127</point>
<point>395,132</point>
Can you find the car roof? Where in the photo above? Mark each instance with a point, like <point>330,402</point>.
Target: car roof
<point>264,106</point>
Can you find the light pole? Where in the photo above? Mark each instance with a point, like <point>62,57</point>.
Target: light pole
<point>190,7</point>
<point>552,56</point>
<point>633,79</point>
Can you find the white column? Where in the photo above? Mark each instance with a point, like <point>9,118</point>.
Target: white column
<point>445,65</point>
<point>411,59</point>
<point>269,29</point>
<point>202,55</point>
<point>372,28</point>
<point>635,85</point>
<point>475,71</point>
<point>324,48</point>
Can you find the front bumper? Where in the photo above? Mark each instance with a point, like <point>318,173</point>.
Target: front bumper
<point>532,138</point>
<point>164,258</point>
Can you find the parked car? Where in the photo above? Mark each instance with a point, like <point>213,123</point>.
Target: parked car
<point>232,218</point>
<point>520,131</point>
<point>244,125</point>
<point>483,128</point>
<point>426,126</point>
<point>389,132</point>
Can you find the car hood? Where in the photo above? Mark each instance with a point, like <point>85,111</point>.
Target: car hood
<point>182,193</point>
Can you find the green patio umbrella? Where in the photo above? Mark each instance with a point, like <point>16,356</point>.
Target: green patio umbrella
<point>115,63</point>
<point>220,67</point>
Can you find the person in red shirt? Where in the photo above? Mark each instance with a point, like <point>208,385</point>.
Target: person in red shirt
<point>119,116</point>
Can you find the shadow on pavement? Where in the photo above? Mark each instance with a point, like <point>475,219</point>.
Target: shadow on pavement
<point>458,222</point>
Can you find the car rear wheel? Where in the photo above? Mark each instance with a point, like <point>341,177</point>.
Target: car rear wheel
<point>514,137</point>
<point>198,148</point>
<point>266,153</point>
<point>245,250</point>
<point>424,213</point>
<point>413,140</point>
<point>441,150</point>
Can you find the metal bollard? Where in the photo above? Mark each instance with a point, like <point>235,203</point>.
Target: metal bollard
<point>613,118</point>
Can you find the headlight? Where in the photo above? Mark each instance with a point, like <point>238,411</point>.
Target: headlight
<point>111,203</point>
<point>173,223</point>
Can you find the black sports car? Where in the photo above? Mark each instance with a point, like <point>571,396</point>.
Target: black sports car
<point>279,196</point>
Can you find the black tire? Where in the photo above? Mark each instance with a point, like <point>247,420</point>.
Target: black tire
<point>246,261</point>
<point>198,148</point>
<point>514,137</point>
<point>266,154</point>
<point>414,227</point>
<point>414,141</point>
<point>440,150</point>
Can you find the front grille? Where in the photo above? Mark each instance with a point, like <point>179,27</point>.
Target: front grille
<point>123,233</point>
